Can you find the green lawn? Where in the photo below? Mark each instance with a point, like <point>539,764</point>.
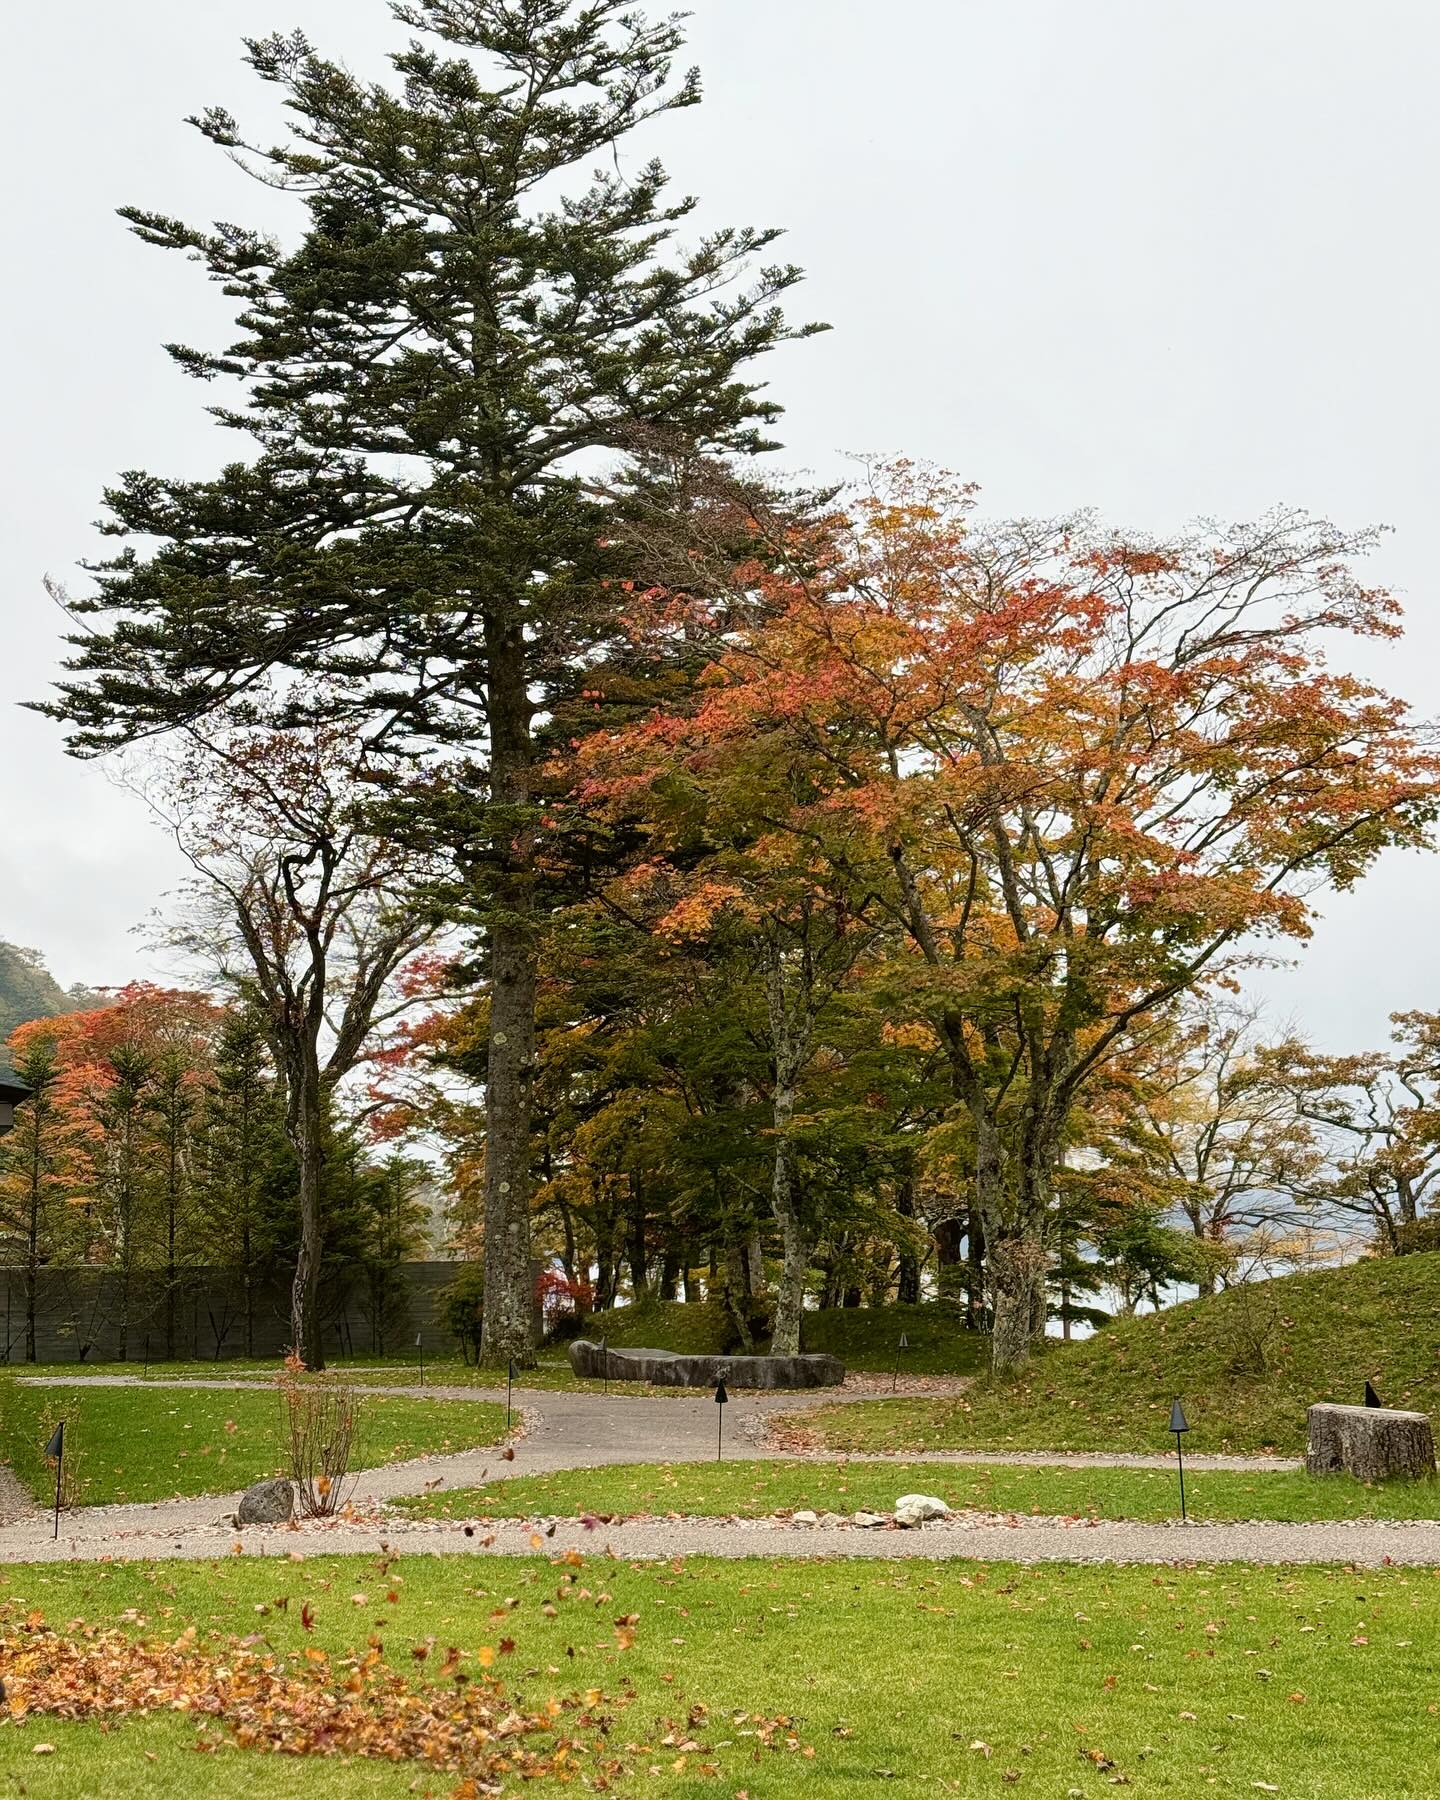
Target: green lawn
<point>904,1679</point>
<point>148,1443</point>
<point>752,1490</point>
<point>1247,1362</point>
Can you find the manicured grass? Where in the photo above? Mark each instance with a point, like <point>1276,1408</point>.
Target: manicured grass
<point>552,1374</point>
<point>1247,1362</point>
<point>752,1490</point>
<point>903,1678</point>
<point>148,1443</point>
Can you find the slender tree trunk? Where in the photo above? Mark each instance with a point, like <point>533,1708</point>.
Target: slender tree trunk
<point>738,1291</point>
<point>638,1255</point>
<point>508,1322</point>
<point>796,1250</point>
<point>1009,1255</point>
<point>172,1177</point>
<point>567,1249</point>
<point>310,1149</point>
<point>789,1039</point>
<point>907,1283</point>
<point>975,1270</point>
<point>32,1248</point>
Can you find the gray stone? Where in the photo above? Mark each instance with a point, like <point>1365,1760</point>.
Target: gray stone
<point>919,1509</point>
<point>868,1521</point>
<point>804,1517</point>
<point>665,1369</point>
<point>267,1503</point>
<point>1369,1442</point>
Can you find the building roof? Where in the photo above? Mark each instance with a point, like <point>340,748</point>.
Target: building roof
<point>12,1088</point>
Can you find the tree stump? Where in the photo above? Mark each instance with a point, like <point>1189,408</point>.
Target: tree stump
<point>1369,1442</point>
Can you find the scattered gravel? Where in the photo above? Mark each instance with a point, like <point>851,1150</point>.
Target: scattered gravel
<point>15,1502</point>
<point>983,1537</point>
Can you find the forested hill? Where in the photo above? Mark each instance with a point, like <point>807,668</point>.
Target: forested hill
<point>29,991</point>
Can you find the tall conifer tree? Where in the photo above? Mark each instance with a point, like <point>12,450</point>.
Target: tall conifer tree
<point>486,289</point>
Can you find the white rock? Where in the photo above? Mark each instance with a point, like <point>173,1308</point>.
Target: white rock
<point>868,1520</point>
<point>805,1517</point>
<point>917,1509</point>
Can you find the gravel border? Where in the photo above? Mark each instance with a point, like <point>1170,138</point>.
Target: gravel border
<point>1353,1544</point>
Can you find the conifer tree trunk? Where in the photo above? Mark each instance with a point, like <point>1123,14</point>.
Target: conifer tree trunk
<point>507,1328</point>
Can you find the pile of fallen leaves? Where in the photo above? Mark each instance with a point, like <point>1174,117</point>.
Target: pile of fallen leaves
<point>306,1703</point>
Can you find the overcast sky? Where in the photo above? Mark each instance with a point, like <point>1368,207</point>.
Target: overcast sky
<point>1164,260</point>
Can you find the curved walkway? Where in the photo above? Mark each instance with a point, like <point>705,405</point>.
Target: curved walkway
<point>577,1431</point>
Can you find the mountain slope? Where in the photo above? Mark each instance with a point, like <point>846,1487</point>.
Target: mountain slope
<point>28,990</point>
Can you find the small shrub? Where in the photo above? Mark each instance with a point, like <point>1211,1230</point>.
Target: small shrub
<point>567,1326</point>
<point>319,1435</point>
<point>462,1307</point>
<point>1418,1236</point>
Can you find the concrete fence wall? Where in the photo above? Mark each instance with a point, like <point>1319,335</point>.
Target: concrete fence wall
<point>89,1314</point>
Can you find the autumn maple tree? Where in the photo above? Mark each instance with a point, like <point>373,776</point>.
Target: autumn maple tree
<point>1094,772</point>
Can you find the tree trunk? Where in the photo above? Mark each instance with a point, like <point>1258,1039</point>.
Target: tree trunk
<point>907,1283</point>
<point>638,1254</point>
<point>1012,1262</point>
<point>975,1270</point>
<point>789,1046</point>
<point>32,1248</point>
<point>790,1303</point>
<point>310,1147</point>
<point>737,1292</point>
<point>567,1250</point>
<point>508,1322</point>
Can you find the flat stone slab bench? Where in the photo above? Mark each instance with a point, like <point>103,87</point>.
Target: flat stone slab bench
<point>667,1369</point>
<point>1369,1442</point>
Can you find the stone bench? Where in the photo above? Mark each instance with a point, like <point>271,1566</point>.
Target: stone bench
<point>664,1368</point>
<point>1369,1442</point>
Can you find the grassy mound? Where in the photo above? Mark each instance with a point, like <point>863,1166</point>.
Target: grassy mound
<point>867,1337</point>
<point>701,1329</point>
<point>1246,1363</point>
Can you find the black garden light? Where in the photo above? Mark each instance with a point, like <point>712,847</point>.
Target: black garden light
<point>900,1350</point>
<point>55,1452</point>
<point>12,1091</point>
<point>721,1401</point>
<point>1179,1424</point>
<point>605,1362</point>
<point>420,1346</point>
<point>509,1383</point>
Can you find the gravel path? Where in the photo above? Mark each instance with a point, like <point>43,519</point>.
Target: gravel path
<point>571,1431</point>
<point>981,1537</point>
